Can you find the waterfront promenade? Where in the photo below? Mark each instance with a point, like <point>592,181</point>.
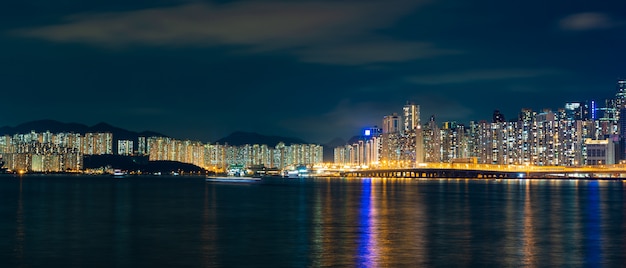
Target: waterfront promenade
<point>467,170</point>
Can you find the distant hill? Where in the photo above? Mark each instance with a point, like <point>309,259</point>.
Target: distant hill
<point>241,138</point>
<point>56,127</point>
<point>42,126</point>
<point>138,163</point>
<point>354,139</point>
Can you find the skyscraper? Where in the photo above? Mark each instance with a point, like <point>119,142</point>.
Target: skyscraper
<point>141,146</point>
<point>432,141</point>
<point>620,96</point>
<point>413,133</point>
<point>124,147</point>
<point>391,124</point>
<point>411,113</point>
<point>577,110</point>
<point>620,101</point>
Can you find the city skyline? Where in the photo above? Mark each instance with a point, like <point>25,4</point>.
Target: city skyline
<point>310,69</point>
<point>581,133</point>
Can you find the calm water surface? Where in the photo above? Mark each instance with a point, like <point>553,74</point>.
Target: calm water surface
<point>80,221</point>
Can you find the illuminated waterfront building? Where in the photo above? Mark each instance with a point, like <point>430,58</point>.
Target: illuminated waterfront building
<point>124,147</point>
<point>600,152</point>
<point>215,157</point>
<point>400,143</point>
<point>419,145</point>
<point>46,137</point>
<point>432,141</point>
<point>471,139</point>
<point>391,124</point>
<point>412,140</point>
<point>142,148</point>
<point>6,144</point>
<point>390,147</point>
<point>45,163</point>
<point>607,122</point>
<point>504,143</point>
<point>97,143</point>
<point>484,143</point>
<point>546,145</point>
<point>365,151</point>
<point>41,152</point>
<point>219,157</point>
<point>185,151</point>
<point>620,96</point>
<point>341,154</point>
<point>278,156</point>
<point>453,141</point>
<point>158,148</point>
<point>411,117</point>
<point>577,111</point>
<point>620,99</point>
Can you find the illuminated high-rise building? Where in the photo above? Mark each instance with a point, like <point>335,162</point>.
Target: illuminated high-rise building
<point>600,152</point>
<point>621,115</point>
<point>124,147</point>
<point>390,145</point>
<point>419,145</point>
<point>577,110</point>
<point>607,119</point>
<point>432,141</point>
<point>453,141</point>
<point>547,140</point>
<point>97,143</point>
<point>391,124</point>
<point>141,146</point>
<point>620,96</point>
<point>411,116</point>
<point>413,140</point>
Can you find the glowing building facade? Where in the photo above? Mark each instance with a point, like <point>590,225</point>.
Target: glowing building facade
<point>52,152</point>
<point>220,156</point>
<point>124,147</point>
<point>545,138</point>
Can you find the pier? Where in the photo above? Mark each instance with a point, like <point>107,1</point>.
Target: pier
<point>456,170</point>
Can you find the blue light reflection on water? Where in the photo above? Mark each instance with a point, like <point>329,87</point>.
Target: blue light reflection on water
<point>366,245</point>
<point>593,245</point>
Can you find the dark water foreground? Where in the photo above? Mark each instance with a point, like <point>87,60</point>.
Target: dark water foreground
<point>77,221</point>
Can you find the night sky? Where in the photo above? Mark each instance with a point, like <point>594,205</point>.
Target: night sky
<point>309,69</point>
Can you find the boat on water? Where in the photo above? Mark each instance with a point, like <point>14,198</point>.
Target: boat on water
<point>232,179</point>
<point>118,174</point>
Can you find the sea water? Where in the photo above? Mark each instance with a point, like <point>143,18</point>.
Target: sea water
<point>98,221</point>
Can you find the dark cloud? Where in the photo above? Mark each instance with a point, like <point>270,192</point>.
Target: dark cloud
<point>480,75</point>
<point>588,21</point>
<point>358,53</point>
<point>347,118</point>
<point>332,32</point>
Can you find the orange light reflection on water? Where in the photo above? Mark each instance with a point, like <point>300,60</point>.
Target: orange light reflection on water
<point>20,232</point>
<point>208,231</point>
<point>528,233</point>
